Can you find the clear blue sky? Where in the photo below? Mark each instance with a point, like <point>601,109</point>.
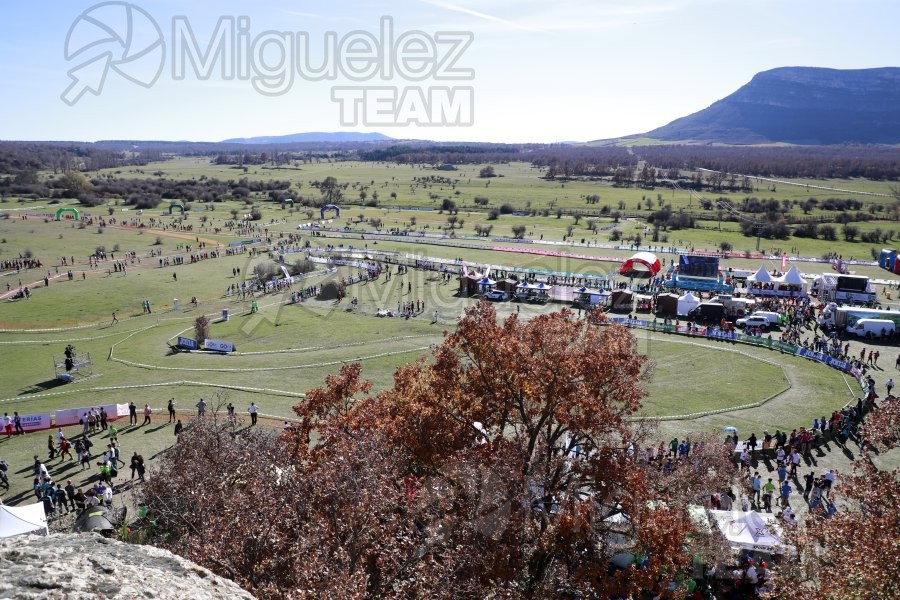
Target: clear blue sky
<point>544,70</point>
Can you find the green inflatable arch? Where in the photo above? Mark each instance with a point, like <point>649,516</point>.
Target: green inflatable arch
<point>74,212</point>
<point>175,205</point>
<point>287,201</point>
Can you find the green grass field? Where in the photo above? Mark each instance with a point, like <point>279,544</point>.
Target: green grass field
<point>285,350</point>
<point>519,185</point>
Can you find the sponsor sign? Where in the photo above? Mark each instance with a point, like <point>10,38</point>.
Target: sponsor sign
<point>71,416</point>
<point>218,345</point>
<point>187,343</point>
<point>35,422</point>
<point>724,335</point>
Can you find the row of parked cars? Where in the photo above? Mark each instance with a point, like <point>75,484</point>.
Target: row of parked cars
<point>870,329</point>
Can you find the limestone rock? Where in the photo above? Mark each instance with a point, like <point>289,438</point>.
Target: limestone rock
<point>88,566</point>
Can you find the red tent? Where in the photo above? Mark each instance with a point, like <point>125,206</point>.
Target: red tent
<point>642,264</point>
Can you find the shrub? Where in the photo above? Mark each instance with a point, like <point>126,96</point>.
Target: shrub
<point>506,209</point>
<point>303,265</point>
<point>850,232</point>
<point>201,328</point>
<point>333,290</point>
<point>807,230</point>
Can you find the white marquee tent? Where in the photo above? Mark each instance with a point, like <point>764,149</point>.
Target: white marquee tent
<point>20,520</point>
<point>687,303</point>
<point>749,530</point>
<point>793,277</point>
<point>761,276</point>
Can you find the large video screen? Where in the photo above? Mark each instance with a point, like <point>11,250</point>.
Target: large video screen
<point>698,266</point>
<point>852,284</point>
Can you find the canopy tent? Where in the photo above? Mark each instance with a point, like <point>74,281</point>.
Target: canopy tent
<point>667,304</point>
<point>533,292</point>
<point>94,518</point>
<point>21,520</point>
<point>507,285</point>
<point>589,291</point>
<point>790,283</point>
<point>749,530</point>
<point>467,285</point>
<point>792,277</point>
<point>687,303</point>
<point>642,264</point>
<point>761,276</point>
<point>643,302</point>
<point>487,282</point>
<point>588,297</point>
<point>622,300</point>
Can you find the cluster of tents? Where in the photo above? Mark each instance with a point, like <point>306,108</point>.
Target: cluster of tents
<point>791,280</point>
<point>673,304</point>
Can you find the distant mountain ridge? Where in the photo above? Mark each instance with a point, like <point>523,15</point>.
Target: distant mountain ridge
<point>312,136</point>
<point>799,105</point>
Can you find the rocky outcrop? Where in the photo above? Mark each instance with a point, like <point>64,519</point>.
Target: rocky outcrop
<point>88,566</point>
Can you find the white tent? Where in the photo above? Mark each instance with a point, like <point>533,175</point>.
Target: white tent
<point>761,276</point>
<point>749,530</point>
<point>19,520</point>
<point>793,277</point>
<point>687,303</point>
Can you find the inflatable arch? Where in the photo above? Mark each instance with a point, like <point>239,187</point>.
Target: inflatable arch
<point>641,264</point>
<point>74,212</point>
<point>175,205</point>
<point>287,201</point>
<point>330,207</point>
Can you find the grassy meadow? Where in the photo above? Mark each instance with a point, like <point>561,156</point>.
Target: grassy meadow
<point>287,349</point>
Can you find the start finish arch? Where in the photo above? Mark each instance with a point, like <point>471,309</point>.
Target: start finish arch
<point>73,211</point>
<point>176,205</point>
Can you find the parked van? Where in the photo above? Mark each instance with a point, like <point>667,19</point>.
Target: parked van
<point>873,328</point>
<point>773,317</point>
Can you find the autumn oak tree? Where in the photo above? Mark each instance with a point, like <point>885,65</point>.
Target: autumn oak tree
<point>854,554</point>
<point>506,464</point>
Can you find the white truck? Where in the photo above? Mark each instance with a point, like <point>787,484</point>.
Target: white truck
<point>873,328</point>
<point>845,317</point>
<point>738,307</point>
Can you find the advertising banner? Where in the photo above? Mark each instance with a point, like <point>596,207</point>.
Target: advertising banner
<point>71,416</point>
<point>187,343</point>
<point>218,345</point>
<point>35,422</point>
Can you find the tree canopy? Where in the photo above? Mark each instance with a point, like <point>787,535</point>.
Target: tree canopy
<point>506,463</point>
